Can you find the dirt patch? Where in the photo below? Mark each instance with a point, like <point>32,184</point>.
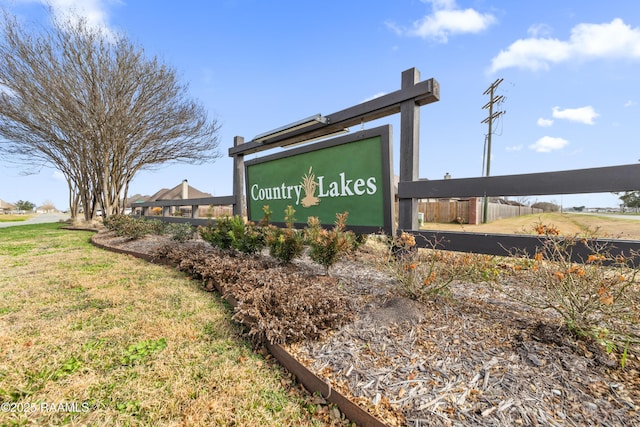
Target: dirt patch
<point>396,311</point>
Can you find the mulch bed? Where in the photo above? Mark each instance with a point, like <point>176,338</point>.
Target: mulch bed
<point>477,358</point>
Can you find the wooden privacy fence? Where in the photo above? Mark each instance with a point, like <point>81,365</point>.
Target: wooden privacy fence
<point>497,211</point>
<point>444,211</point>
<point>407,102</point>
<point>468,211</point>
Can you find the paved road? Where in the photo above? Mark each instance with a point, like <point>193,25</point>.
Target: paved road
<point>611,215</point>
<point>38,219</point>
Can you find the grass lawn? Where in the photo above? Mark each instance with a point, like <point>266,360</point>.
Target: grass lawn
<point>14,218</point>
<point>123,342</point>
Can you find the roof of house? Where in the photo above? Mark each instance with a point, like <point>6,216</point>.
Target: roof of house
<point>175,193</point>
<point>6,205</point>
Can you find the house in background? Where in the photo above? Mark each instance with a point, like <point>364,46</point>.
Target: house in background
<point>182,191</point>
<point>6,207</point>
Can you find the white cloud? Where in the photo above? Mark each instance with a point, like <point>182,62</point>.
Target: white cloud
<point>584,115</point>
<point>545,123</point>
<point>586,42</point>
<point>445,20</point>
<point>534,54</point>
<point>538,30</point>
<point>630,103</point>
<point>441,4</point>
<point>94,11</point>
<point>547,144</point>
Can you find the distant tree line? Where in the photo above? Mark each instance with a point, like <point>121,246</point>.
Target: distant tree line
<point>24,205</point>
<point>546,206</point>
<point>631,199</point>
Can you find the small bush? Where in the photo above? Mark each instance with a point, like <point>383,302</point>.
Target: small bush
<point>246,237</point>
<point>180,232</point>
<point>233,233</point>
<point>218,234</point>
<point>595,298</point>
<point>287,243</point>
<point>185,258</point>
<point>426,273</point>
<point>283,307</point>
<point>127,226</point>
<point>275,303</point>
<point>155,226</point>
<point>327,246</point>
<point>113,222</point>
<point>135,229</point>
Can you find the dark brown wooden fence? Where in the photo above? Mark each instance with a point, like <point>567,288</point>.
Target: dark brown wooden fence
<point>595,180</point>
<point>200,211</point>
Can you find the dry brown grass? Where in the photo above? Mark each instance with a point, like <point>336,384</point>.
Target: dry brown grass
<point>568,224</point>
<point>13,218</point>
<point>69,315</point>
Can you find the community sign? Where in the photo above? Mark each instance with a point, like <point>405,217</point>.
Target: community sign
<point>346,174</point>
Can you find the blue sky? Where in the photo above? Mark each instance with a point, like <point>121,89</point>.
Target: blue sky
<point>570,73</point>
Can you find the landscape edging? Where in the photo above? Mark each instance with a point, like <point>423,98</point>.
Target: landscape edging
<point>304,376</point>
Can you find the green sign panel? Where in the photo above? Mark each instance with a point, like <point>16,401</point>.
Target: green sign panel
<point>350,173</point>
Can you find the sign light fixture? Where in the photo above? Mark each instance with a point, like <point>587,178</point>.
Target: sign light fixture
<point>292,127</point>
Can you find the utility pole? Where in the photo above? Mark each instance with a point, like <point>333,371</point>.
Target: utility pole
<point>489,120</point>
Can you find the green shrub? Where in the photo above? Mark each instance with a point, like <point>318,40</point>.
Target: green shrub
<point>246,237</point>
<point>128,226</point>
<point>287,243</point>
<point>134,228</point>
<point>180,232</point>
<point>114,222</point>
<point>155,226</point>
<point>327,246</point>
<point>218,234</point>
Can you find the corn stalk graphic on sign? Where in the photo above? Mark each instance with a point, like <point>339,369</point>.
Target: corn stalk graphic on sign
<point>349,174</point>
<point>309,186</point>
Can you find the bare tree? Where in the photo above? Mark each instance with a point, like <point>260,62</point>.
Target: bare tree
<point>95,108</point>
<point>47,206</point>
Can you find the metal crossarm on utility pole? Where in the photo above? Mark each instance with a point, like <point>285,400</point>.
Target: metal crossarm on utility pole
<point>489,120</point>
